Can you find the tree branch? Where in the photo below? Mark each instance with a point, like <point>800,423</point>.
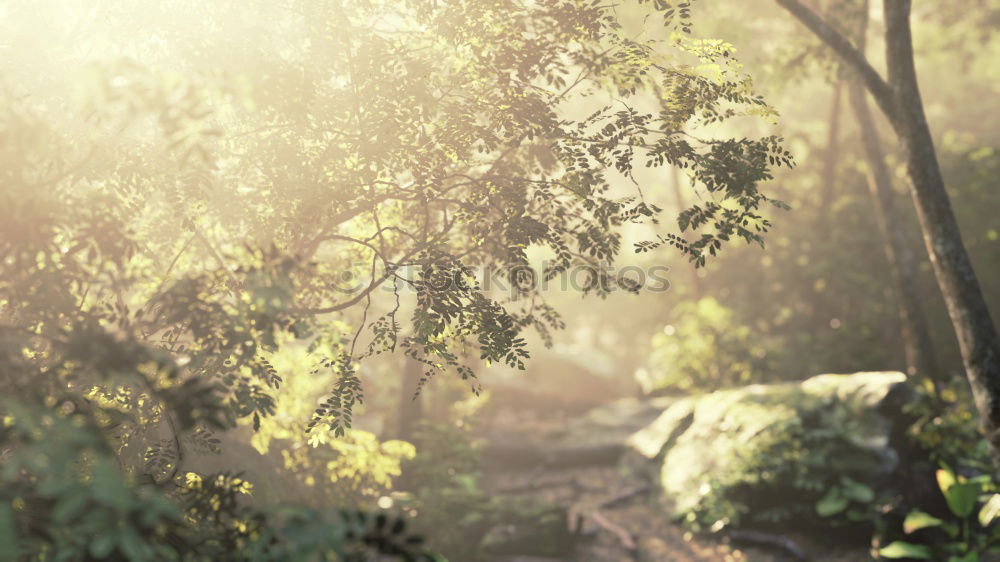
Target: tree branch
<point>854,58</point>
<point>375,282</point>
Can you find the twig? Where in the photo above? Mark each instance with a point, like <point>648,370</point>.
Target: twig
<point>626,538</point>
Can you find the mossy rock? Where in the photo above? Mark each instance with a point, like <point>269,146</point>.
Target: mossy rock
<point>769,453</point>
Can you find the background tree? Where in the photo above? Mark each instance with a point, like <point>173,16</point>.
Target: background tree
<point>917,342</point>
<point>899,99</point>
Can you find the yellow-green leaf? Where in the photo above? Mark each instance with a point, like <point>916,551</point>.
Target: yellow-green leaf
<point>900,549</point>
<point>990,510</point>
<point>945,479</point>
<point>831,504</point>
<point>917,520</point>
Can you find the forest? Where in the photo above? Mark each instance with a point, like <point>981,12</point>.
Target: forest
<point>499,280</point>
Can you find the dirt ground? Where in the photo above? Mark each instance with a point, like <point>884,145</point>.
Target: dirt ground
<point>635,518</point>
<point>656,538</point>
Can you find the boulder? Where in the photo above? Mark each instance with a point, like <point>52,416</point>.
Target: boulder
<point>771,453</point>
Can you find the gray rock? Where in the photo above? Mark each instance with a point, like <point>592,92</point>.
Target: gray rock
<point>791,437</point>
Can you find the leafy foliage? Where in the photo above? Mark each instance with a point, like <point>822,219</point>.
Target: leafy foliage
<point>704,348</point>
<point>65,496</point>
<point>971,532</point>
<point>161,241</point>
<point>947,430</point>
<point>789,458</point>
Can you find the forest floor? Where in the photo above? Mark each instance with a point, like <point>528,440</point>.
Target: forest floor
<point>626,513</point>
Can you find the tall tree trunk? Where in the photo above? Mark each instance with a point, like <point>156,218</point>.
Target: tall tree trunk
<point>831,155</point>
<point>970,316</point>
<point>824,305</point>
<point>900,100</point>
<point>918,347</point>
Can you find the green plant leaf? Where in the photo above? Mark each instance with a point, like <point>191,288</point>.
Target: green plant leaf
<point>917,520</point>
<point>858,515</point>
<point>8,534</point>
<point>945,479</point>
<point>970,557</point>
<point>102,546</point>
<point>108,487</point>
<point>983,479</point>
<point>961,498</point>
<point>990,510</point>
<point>131,545</point>
<point>69,507</point>
<point>856,490</point>
<point>900,549</point>
<point>832,503</point>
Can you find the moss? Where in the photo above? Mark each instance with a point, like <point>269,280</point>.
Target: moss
<point>766,454</point>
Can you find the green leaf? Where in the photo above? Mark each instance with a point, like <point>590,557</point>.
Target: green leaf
<point>858,515</point>
<point>990,510</point>
<point>961,498</point>
<point>132,546</point>
<point>69,507</point>
<point>856,490</point>
<point>945,479</point>
<point>108,487</point>
<point>917,520</point>
<point>8,534</point>
<point>970,557</point>
<point>900,549</point>
<point>983,479</point>
<point>832,503</point>
<point>102,546</point>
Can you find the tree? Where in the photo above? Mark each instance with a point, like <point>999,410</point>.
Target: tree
<point>898,97</point>
<point>159,244</point>
<point>917,344</point>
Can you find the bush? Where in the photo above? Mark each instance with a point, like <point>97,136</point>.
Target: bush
<point>705,348</point>
<point>64,496</point>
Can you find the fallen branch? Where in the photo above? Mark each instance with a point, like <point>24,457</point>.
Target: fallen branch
<point>623,536</point>
<point>766,539</point>
<point>626,538</point>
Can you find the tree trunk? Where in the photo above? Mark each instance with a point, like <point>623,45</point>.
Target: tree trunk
<point>918,347</point>
<point>970,317</point>
<point>824,306</point>
<point>831,155</point>
<point>900,100</point>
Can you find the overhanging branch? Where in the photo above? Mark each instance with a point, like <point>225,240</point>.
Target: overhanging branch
<point>878,87</point>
